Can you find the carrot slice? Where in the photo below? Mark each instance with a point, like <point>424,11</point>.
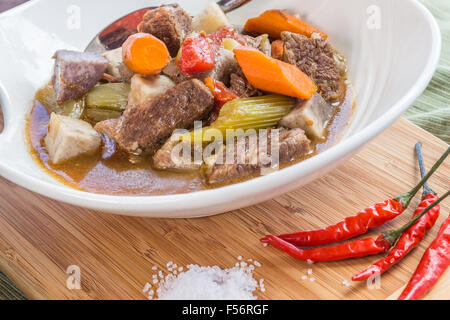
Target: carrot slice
<point>273,22</point>
<point>272,75</point>
<point>277,49</point>
<point>145,54</point>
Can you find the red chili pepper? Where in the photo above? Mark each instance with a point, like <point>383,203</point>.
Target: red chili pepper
<point>226,32</point>
<point>350,227</point>
<point>197,55</point>
<point>369,218</point>
<point>407,241</point>
<point>411,237</point>
<point>352,249</point>
<point>221,93</point>
<point>433,264</point>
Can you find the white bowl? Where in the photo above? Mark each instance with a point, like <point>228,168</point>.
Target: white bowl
<point>392,49</point>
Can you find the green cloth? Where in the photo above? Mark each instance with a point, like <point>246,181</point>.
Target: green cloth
<point>8,291</point>
<point>431,111</point>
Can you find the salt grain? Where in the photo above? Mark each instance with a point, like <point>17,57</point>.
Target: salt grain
<point>256,263</point>
<point>239,258</point>
<point>201,283</point>
<point>261,285</point>
<point>146,287</point>
<point>304,277</point>
<point>265,244</point>
<point>310,271</point>
<point>154,268</point>
<point>312,279</point>
<point>155,281</point>
<point>310,262</point>
<point>180,269</point>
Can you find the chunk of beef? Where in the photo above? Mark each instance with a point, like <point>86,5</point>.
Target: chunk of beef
<point>315,57</point>
<point>311,115</point>
<point>262,43</point>
<point>250,160</point>
<point>169,158</point>
<point>75,73</point>
<point>68,138</point>
<point>169,23</point>
<point>211,117</point>
<point>240,85</point>
<point>225,65</point>
<point>174,72</point>
<point>147,127</point>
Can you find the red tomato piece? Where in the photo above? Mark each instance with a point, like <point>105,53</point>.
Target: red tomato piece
<point>222,94</point>
<point>197,55</point>
<point>226,32</point>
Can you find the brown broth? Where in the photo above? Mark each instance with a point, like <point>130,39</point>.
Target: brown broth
<point>110,171</point>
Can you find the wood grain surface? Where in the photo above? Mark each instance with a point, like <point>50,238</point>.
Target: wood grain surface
<point>40,238</point>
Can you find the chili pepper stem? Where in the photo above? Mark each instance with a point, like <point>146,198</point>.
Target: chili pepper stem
<point>426,187</point>
<point>392,235</point>
<point>406,198</point>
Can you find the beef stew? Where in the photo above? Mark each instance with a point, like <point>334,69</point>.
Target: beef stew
<point>119,132</point>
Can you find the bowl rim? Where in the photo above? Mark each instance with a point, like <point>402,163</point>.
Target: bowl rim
<point>161,205</point>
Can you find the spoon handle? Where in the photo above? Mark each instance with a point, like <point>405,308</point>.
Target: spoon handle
<point>230,5</point>
<point>116,33</point>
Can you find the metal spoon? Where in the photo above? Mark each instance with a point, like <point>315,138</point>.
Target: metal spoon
<point>114,35</point>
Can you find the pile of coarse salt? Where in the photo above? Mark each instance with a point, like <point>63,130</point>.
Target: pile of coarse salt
<point>205,282</point>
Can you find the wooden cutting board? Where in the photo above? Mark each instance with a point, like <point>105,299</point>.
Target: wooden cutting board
<point>40,238</point>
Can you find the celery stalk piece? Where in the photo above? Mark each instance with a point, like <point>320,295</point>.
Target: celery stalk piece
<point>112,96</point>
<point>95,115</point>
<point>248,113</point>
<point>73,108</point>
